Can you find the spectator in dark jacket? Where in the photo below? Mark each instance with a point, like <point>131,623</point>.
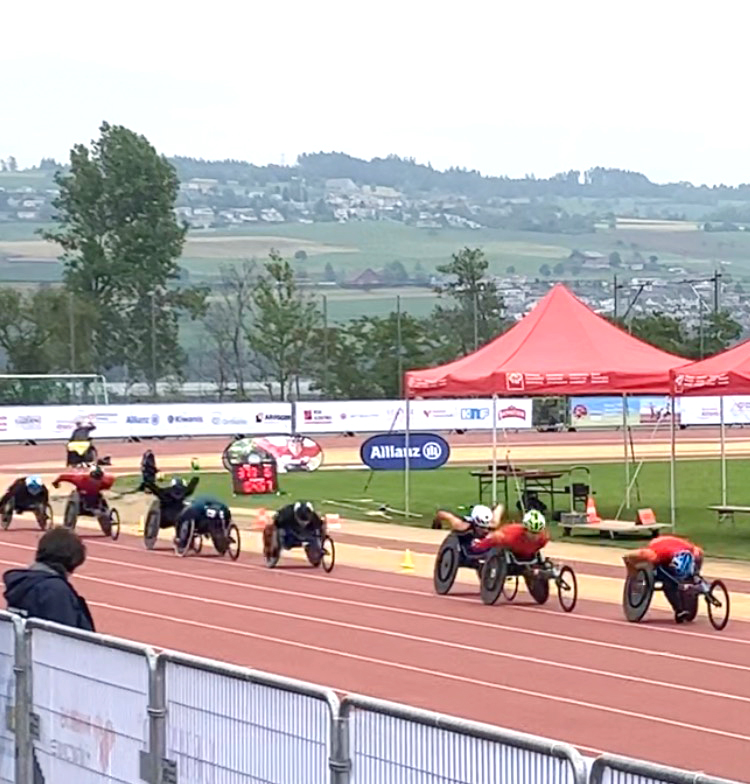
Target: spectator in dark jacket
<point>43,591</point>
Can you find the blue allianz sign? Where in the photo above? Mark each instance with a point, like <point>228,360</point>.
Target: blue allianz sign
<point>387,452</point>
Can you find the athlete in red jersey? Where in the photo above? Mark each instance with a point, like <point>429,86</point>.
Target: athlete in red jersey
<point>89,486</point>
<point>678,557</point>
<point>523,539</point>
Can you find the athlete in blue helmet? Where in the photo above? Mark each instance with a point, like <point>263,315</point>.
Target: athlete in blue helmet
<point>28,493</point>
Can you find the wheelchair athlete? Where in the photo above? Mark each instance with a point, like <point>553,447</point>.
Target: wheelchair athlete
<point>28,494</point>
<point>296,523</point>
<point>678,558</point>
<point>524,540</point>
<point>475,527</point>
<point>172,498</point>
<point>209,516</point>
<point>90,487</point>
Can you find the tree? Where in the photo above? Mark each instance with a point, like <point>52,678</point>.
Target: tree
<point>660,330</point>
<point>510,270</point>
<point>395,273</point>
<point>559,269</point>
<point>476,314</point>
<point>329,274</point>
<point>717,332</point>
<point>12,164</point>
<point>121,242</point>
<point>421,277</point>
<point>615,261</point>
<point>300,255</point>
<point>286,320</point>
<point>545,270</point>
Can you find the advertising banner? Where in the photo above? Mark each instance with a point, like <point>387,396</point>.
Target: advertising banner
<point>387,452</point>
<point>588,412</point>
<point>379,416</point>
<point>707,410</point>
<point>290,453</point>
<point>41,423</point>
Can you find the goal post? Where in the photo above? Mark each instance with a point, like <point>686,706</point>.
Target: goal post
<point>32,389</point>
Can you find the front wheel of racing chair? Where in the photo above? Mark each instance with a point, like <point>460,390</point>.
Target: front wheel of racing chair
<point>717,599</point>
<point>492,579</point>
<point>72,510</point>
<point>152,525</point>
<point>323,554</point>
<point>272,558</point>
<point>44,516</point>
<point>7,514</point>
<point>183,549</point>
<point>538,586</point>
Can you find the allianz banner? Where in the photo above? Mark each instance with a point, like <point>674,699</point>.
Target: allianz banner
<point>388,452</point>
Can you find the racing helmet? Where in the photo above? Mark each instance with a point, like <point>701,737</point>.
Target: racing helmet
<point>303,512</point>
<point>96,472</point>
<point>34,484</point>
<point>177,481</point>
<point>534,522</point>
<point>481,516</point>
<point>683,564</point>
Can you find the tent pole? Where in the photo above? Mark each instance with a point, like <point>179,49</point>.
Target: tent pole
<point>673,433</point>
<point>723,454</point>
<point>625,448</point>
<point>406,457</point>
<point>494,451</point>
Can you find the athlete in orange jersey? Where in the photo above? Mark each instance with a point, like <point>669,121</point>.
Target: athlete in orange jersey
<point>523,539</point>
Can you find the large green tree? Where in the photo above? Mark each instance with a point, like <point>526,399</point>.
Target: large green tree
<point>121,242</point>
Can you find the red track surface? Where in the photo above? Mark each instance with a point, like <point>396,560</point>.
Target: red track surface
<point>677,695</point>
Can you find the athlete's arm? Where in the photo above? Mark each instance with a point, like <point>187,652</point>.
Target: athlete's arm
<point>72,478</point>
<point>497,515</point>
<point>639,558</point>
<point>455,522</point>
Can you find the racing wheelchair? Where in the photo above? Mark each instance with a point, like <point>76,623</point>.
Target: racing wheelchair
<point>640,588</point>
<point>453,555</point>
<point>501,572</point>
<point>319,548</point>
<point>83,454</point>
<point>42,512</point>
<point>107,516</point>
<point>225,537</point>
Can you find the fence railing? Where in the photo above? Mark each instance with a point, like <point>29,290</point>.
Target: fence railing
<point>93,709</point>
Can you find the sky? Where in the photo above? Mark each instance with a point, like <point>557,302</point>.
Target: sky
<point>509,88</point>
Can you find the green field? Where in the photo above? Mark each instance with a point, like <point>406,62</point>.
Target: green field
<point>453,488</point>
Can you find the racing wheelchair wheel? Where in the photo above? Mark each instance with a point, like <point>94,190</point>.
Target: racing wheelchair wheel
<point>7,515</point>
<point>273,558</point>
<point>717,600</point>
<point>510,587</point>
<point>446,564</point>
<point>233,541</point>
<point>538,586</point>
<point>637,595</point>
<point>72,507</point>
<point>196,543</point>
<point>152,525</point>
<point>492,578</point>
<point>44,517</point>
<point>567,589</point>
<point>114,524</point>
<point>328,558</point>
<point>180,549</point>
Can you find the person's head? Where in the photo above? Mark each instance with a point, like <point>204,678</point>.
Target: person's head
<point>683,565</point>
<point>178,487</point>
<point>534,522</point>
<point>481,516</point>
<point>61,548</point>
<point>34,484</point>
<point>303,512</point>
<point>96,472</point>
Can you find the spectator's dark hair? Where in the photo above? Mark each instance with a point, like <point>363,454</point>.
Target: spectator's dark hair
<point>62,548</point>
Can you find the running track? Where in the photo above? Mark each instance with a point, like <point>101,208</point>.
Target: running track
<point>676,695</point>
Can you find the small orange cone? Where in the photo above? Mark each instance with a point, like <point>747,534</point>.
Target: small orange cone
<point>261,520</point>
<point>592,516</point>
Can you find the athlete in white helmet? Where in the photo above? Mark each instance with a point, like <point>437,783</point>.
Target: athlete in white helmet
<point>479,521</point>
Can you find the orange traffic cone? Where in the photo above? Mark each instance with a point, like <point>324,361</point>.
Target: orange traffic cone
<point>261,521</point>
<point>592,516</point>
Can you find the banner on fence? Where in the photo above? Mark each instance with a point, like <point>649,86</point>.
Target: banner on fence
<point>387,452</point>
<point>41,423</point>
<point>707,410</point>
<point>380,416</point>
<point>607,411</point>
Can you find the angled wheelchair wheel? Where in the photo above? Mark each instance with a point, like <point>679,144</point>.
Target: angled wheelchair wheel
<point>7,515</point>
<point>494,572</point>
<point>183,549</point>
<point>718,605</point>
<point>44,517</point>
<point>114,524</point>
<point>196,544</point>
<point>510,587</point>
<point>690,605</point>
<point>152,525</point>
<point>272,557</point>
<point>538,586</point>
<point>314,553</point>
<point>446,564</point>
<point>567,589</point>
<point>233,541</point>
<point>328,559</point>
<point>637,595</point>
<point>72,507</point>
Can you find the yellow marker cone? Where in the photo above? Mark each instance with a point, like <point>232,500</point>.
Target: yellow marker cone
<point>407,565</point>
<point>140,525</point>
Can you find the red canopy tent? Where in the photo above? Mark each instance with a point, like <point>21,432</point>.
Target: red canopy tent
<point>723,374</point>
<point>561,348</point>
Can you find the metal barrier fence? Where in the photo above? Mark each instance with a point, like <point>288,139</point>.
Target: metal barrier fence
<point>92,709</point>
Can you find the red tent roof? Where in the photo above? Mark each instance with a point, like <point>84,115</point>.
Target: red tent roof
<point>561,348</point>
<point>727,373</point>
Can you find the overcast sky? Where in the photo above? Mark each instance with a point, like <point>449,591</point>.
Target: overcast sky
<point>505,87</point>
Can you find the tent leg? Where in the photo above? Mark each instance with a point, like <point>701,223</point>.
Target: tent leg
<point>723,454</point>
<point>406,458</point>
<point>494,451</point>
<point>625,448</point>
<point>673,432</point>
